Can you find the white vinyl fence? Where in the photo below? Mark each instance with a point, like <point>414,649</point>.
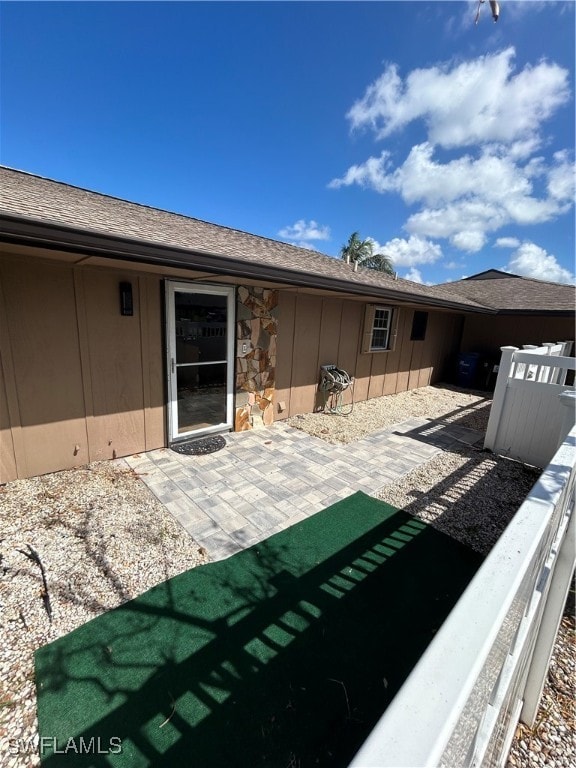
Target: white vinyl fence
<point>543,372</point>
<point>529,418</point>
<point>486,667</point>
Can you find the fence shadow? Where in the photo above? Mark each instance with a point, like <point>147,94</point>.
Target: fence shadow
<point>443,435</point>
<point>473,415</point>
<point>475,502</point>
<point>270,664</point>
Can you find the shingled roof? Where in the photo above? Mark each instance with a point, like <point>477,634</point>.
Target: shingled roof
<point>513,294</point>
<point>37,210</point>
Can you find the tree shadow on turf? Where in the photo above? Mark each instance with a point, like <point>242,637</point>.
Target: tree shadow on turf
<point>277,656</point>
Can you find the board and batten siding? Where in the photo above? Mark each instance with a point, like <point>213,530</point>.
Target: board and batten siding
<point>79,382</point>
<point>316,330</point>
<point>485,333</point>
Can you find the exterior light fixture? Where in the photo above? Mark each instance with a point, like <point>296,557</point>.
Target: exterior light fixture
<point>126,302</point>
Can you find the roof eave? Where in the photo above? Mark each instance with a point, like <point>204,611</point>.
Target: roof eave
<point>538,312</point>
<point>22,230</point>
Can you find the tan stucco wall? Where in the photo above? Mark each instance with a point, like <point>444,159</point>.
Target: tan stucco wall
<point>487,333</point>
<point>314,331</point>
<point>78,381</point>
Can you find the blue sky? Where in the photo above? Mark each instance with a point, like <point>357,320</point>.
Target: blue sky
<point>450,144</point>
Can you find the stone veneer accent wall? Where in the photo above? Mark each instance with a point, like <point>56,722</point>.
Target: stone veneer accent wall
<point>256,330</point>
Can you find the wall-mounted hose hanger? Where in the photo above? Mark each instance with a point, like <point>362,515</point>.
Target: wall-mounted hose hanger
<point>333,383</point>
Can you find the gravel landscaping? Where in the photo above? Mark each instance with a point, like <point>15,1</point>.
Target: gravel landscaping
<point>101,538</point>
<point>449,492</point>
<point>470,495</point>
<point>450,404</point>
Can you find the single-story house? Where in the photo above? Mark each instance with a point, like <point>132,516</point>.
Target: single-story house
<point>125,328</point>
<point>526,311</point>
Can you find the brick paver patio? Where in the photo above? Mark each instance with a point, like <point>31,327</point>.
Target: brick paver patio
<point>266,480</point>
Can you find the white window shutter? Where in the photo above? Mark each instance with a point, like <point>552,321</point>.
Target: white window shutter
<point>368,326</point>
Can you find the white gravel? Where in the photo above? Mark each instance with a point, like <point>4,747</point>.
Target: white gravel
<point>103,538</point>
<point>552,741</point>
<point>470,495</point>
<point>452,491</point>
<point>450,404</point>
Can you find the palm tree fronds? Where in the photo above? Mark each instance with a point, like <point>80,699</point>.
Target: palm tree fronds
<point>361,252</point>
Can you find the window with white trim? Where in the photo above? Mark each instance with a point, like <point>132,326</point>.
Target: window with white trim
<point>378,328</point>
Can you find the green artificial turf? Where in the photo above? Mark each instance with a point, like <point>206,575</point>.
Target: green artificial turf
<point>285,654</point>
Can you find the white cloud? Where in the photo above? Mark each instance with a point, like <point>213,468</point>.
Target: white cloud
<point>530,260</point>
<point>517,10</point>
<point>372,174</point>
<point>507,242</point>
<point>415,275</point>
<point>519,150</point>
<point>470,241</point>
<point>493,176</point>
<point>489,114</point>
<point>489,176</point>
<point>408,253</point>
<point>466,198</point>
<point>561,178</point>
<point>422,179</point>
<point>305,230</point>
<point>304,244</point>
<point>453,265</point>
<point>465,216</point>
<point>465,103</point>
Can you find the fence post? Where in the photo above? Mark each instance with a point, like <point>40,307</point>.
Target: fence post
<point>551,618</point>
<point>561,579</point>
<point>568,400</point>
<point>499,396</point>
<point>565,351</point>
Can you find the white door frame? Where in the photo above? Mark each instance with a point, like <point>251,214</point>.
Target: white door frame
<point>172,287</point>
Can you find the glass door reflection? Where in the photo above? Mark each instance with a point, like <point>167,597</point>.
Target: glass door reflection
<point>200,359</point>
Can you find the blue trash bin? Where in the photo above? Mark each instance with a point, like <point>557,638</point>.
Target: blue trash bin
<point>467,369</point>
